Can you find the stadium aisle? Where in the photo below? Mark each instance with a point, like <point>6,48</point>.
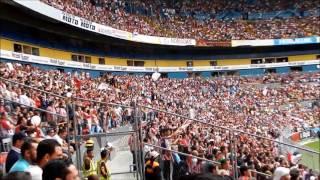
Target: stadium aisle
<point>121,157</point>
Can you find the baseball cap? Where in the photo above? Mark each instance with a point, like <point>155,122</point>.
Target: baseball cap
<point>89,143</point>
<point>279,172</point>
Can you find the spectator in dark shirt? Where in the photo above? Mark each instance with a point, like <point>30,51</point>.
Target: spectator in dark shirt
<point>208,176</point>
<point>18,176</point>
<point>14,153</point>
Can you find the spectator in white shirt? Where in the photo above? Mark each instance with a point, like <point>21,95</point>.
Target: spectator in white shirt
<point>47,150</point>
<point>24,99</point>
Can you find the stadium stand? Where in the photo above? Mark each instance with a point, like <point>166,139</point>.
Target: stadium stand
<point>208,20</point>
<point>65,91</point>
<point>244,103</point>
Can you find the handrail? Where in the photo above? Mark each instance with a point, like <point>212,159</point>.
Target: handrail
<point>107,134</point>
<point>42,110</point>
<point>63,97</point>
<point>185,154</point>
<point>227,128</point>
<point>174,114</point>
<point>204,159</point>
<point>35,108</point>
<point>232,130</point>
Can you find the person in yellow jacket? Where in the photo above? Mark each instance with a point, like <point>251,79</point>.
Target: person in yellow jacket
<point>89,145</point>
<point>152,168</point>
<point>89,165</point>
<point>102,169</point>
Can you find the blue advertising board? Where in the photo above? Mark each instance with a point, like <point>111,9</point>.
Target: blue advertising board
<point>307,40</point>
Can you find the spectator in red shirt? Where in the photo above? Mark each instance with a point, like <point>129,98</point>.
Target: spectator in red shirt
<point>5,126</point>
<point>244,173</point>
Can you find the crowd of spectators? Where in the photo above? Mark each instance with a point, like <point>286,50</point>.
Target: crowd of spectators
<point>198,19</point>
<point>264,106</point>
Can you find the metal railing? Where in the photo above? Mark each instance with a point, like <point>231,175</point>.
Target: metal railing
<point>138,132</point>
<point>227,128</point>
<point>201,158</point>
<point>45,111</point>
<point>78,135</point>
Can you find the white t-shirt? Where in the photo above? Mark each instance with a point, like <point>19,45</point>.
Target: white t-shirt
<point>59,139</point>
<point>118,111</point>
<point>25,100</point>
<point>35,171</point>
<point>7,94</point>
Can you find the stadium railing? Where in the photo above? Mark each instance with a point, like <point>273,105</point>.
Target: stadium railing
<point>78,136</point>
<point>138,132</point>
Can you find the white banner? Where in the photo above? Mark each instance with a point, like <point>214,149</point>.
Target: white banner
<point>73,64</point>
<point>265,42</point>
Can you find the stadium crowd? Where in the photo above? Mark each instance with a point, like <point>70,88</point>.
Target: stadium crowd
<point>264,106</point>
<point>198,19</point>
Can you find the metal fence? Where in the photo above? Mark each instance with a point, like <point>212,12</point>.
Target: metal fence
<point>310,159</point>
<point>120,138</point>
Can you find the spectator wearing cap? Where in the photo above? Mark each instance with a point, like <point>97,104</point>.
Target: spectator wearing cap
<point>15,152</point>
<point>152,168</point>
<point>28,156</point>
<point>89,145</point>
